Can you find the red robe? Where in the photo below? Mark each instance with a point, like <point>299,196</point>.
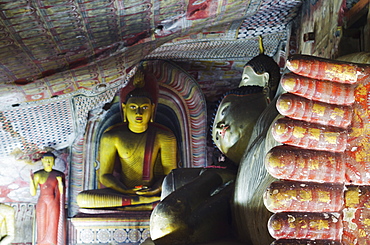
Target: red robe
<point>50,211</point>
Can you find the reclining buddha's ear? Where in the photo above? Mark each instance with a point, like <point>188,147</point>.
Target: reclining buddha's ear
<point>123,105</point>
<point>152,113</point>
<point>266,77</point>
<point>266,88</point>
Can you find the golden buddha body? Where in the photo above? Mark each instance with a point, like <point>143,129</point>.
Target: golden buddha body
<point>146,152</point>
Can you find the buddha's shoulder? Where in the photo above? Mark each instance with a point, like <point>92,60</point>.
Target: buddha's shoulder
<point>160,129</point>
<point>116,129</point>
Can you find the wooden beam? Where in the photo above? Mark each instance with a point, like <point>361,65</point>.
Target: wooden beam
<point>355,13</point>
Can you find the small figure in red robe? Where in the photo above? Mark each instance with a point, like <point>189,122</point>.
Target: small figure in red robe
<point>50,205</point>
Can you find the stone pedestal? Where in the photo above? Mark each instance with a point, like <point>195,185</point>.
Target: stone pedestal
<point>124,227</point>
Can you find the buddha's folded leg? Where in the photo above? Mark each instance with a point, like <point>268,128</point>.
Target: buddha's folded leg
<point>103,198</point>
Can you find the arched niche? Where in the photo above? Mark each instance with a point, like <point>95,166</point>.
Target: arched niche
<point>179,92</point>
<point>181,107</point>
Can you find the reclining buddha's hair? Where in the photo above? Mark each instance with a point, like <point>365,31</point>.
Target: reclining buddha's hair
<point>263,63</point>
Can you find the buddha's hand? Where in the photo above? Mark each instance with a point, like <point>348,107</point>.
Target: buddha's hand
<point>326,137</point>
<point>147,191</point>
<point>60,184</point>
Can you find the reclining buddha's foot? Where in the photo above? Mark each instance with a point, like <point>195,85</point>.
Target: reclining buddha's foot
<point>322,226</point>
<point>292,196</point>
<point>324,162</point>
<point>301,213</point>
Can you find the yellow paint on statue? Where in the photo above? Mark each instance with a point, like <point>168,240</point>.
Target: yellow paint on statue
<point>293,64</point>
<point>285,104</point>
<point>313,164</point>
<point>324,196</point>
<point>362,155</point>
<point>305,195</point>
<point>275,162</point>
<point>337,113</point>
<point>280,129</point>
<point>331,160</point>
<point>303,224</point>
<point>292,221</point>
<point>314,133</point>
<point>318,109</point>
<point>356,132</point>
<point>366,222</point>
<point>362,232</point>
<point>320,224</point>
<point>286,196</point>
<point>299,132</point>
<point>289,83</point>
<point>342,72</point>
<point>361,92</point>
<point>276,225</point>
<point>352,198</point>
<point>292,225</point>
<point>331,137</point>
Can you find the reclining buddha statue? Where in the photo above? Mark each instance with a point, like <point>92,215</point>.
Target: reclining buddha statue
<point>200,210</point>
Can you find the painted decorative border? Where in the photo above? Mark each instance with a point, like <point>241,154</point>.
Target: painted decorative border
<point>192,105</point>
<point>124,228</point>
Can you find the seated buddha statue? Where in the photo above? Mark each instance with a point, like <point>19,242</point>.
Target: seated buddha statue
<point>144,150</point>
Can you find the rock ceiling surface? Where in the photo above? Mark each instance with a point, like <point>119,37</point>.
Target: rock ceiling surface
<point>52,48</point>
<point>60,60</point>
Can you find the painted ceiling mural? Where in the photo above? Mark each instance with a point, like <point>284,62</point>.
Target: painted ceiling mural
<point>61,59</point>
<point>51,48</point>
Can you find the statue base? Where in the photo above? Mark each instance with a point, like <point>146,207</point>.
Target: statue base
<point>109,227</point>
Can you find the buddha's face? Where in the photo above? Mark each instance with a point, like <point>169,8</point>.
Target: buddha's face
<point>234,121</point>
<point>138,111</point>
<point>224,132</point>
<point>250,77</point>
<point>48,163</point>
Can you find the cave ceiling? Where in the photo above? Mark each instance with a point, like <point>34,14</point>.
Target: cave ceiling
<point>51,48</point>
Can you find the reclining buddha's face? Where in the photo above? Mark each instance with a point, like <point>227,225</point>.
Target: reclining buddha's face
<point>237,115</point>
<point>225,134</point>
<point>234,122</point>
